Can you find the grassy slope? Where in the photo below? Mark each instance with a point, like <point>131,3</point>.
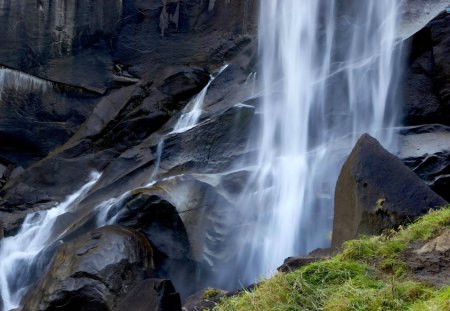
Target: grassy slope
<point>368,275</point>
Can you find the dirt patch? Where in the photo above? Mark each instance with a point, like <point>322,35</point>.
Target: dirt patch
<point>429,261</point>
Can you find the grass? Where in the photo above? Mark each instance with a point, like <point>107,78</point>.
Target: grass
<point>368,274</point>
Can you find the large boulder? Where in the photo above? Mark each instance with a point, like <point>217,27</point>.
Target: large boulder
<point>93,272</point>
<point>376,191</point>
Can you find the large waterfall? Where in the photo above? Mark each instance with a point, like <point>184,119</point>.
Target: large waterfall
<point>329,70</point>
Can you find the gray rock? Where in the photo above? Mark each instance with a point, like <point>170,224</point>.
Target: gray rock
<point>376,191</point>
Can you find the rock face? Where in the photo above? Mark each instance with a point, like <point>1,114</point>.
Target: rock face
<point>93,272</point>
<point>45,116</point>
<point>376,191</point>
<point>427,88</point>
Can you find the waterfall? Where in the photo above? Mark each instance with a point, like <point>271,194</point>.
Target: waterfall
<point>329,69</point>
<point>18,253</point>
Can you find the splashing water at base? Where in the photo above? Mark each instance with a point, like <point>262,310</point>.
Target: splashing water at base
<point>328,73</point>
<point>19,252</point>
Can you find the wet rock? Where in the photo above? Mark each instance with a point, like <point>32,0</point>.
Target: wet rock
<point>182,82</point>
<point>157,219</point>
<point>426,88</point>
<point>44,116</point>
<point>91,46</point>
<point>151,294</point>
<point>93,272</point>
<point>74,33</point>
<point>425,150</point>
<point>430,261</point>
<point>376,191</point>
<point>434,169</point>
<point>188,234</point>
<point>211,146</point>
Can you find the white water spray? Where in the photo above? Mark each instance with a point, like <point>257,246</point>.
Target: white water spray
<point>18,253</point>
<point>328,69</point>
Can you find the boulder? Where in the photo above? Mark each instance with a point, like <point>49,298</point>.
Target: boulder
<point>151,294</point>
<point>376,191</point>
<point>93,272</point>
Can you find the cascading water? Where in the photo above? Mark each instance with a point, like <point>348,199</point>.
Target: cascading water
<point>193,109</point>
<point>18,253</point>
<point>328,71</point>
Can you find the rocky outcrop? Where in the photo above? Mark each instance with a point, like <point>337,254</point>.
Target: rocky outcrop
<point>426,88</point>
<point>151,294</point>
<point>376,191</point>
<point>93,272</point>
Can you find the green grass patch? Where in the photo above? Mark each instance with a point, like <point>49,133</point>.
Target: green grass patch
<point>368,274</point>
